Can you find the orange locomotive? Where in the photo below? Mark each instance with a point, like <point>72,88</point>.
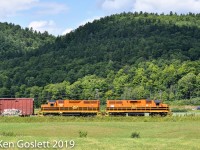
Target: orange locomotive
<point>136,107</point>
<point>71,107</point>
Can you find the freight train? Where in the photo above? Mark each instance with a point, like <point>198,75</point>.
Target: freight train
<point>114,107</point>
<point>143,107</point>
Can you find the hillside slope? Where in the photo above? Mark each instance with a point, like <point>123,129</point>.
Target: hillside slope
<point>125,41</point>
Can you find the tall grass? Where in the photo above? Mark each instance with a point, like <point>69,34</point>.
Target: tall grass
<point>8,133</point>
<point>98,119</point>
<point>179,110</point>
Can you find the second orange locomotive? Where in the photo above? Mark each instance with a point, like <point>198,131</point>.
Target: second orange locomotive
<point>136,107</point>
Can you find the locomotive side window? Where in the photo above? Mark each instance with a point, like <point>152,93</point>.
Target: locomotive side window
<point>90,102</point>
<point>134,101</point>
<point>157,102</point>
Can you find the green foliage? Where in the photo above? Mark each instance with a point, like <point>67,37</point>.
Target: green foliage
<point>178,110</point>
<point>17,42</point>
<point>135,135</point>
<point>8,134</point>
<point>82,134</point>
<point>187,84</point>
<point>192,101</point>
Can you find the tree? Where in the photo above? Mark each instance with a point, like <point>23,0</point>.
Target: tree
<point>187,85</point>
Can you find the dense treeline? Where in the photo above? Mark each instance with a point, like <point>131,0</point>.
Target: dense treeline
<point>168,81</point>
<point>130,55</point>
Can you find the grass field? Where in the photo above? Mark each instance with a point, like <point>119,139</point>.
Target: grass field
<point>112,133</point>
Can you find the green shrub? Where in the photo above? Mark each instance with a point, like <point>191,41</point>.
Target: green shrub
<point>178,110</point>
<point>135,135</point>
<point>82,134</point>
<point>8,134</point>
<point>192,101</point>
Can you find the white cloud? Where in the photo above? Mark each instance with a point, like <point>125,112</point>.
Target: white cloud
<point>11,7</point>
<point>89,20</point>
<point>43,26</point>
<point>159,6</point>
<point>114,5</point>
<point>68,30</point>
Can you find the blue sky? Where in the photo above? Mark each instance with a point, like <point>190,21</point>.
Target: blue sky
<point>61,16</point>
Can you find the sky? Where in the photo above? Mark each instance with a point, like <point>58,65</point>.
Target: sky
<point>59,17</point>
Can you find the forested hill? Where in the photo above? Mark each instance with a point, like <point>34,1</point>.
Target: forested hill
<point>129,55</point>
<point>16,42</point>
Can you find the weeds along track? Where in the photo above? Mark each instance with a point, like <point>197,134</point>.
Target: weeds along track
<point>98,119</point>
